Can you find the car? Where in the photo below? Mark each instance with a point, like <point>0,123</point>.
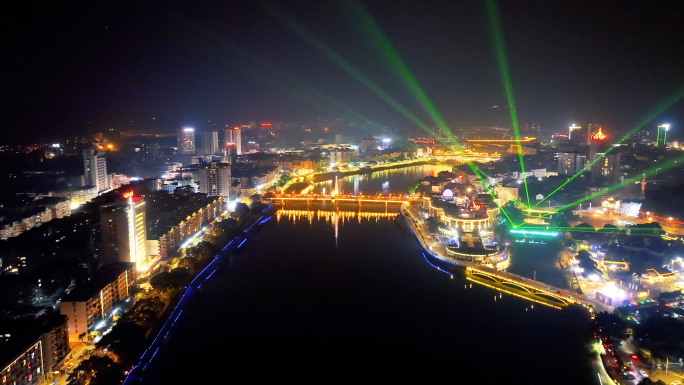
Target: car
<point>643,373</point>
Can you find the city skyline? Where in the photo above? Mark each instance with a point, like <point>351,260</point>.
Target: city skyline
<point>362,189</point>
<point>569,63</point>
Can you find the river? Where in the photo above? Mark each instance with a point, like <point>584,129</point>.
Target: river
<point>394,181</point>
<point>333,298</point>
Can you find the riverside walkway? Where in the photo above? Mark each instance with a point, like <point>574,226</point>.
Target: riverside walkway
<point>509,283</point>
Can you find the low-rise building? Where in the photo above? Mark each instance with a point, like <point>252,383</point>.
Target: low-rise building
<point>172,227</point>
<point>60,207</point>
<point>83,195</point>
<point>14,225</point>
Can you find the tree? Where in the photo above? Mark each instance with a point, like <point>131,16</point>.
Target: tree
<point>585,225</point>
<point>511,213</point>
<point>170,280</point>
<point>283,180</point>
<point>97,370</point>
<point>416,186</point>
<point>188,263</point>
<point>610,325</point>
<point>241,209</point>
<point>434,224</point>
<point>562,218</point>
<point>663,335</point>
<point>126,340</point>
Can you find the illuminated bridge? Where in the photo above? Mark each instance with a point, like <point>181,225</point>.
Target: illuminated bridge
<point>310,199</point>
<point>521,287</point>
<point>501,281</point>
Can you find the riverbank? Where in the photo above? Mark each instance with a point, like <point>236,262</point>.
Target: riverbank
<point>359,287</point>
<point>134,375</point>
<point>341,174</point>
<point>513,284</point>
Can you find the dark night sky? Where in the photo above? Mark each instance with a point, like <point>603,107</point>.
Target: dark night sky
<point>112,62</point>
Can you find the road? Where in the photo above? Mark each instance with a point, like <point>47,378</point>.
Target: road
<point>78,354</point>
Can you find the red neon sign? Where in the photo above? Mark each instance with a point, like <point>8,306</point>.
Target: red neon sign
<point>600,136</point>
<point>266,124</point>
<point>476,206</point>
<point>127,194</point>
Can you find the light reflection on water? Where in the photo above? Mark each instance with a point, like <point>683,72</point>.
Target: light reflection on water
<point>395,181</point>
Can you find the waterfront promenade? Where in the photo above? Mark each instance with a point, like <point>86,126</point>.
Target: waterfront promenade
<point>513,284</point>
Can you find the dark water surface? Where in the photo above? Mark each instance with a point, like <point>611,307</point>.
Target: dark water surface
<point>538,260</point>
<point>395,181</point>
<point>312,299</point>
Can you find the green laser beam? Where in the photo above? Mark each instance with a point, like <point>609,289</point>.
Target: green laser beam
<point>667,103</point>
<point>652,171</point>
<point>372,29</point>
<point>304,33</point>
<point>270,74</point>
<point>603,230</point>
<point>472,166</point>
<point>502,60</point>
<point>487,176</point>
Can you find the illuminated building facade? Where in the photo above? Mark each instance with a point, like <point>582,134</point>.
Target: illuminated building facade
<point>661,135</point>
<point>506,194</point>
<point>607,169</point>
<point>171,237</point>
<point>90,303</point>
<point>516,149</point>
<point>95,170</point>
<point>186,141</point>
<point>570,163</point>
<point>474,220</point>
<point>233,136</point>
<point>214,179</point>
<point>592,129</point>
<point>27,368</point>
<point>340,155</point>
<point>82,195</point>
<point>572,128</point>
<point>124,233</point>
<point>208,143</point>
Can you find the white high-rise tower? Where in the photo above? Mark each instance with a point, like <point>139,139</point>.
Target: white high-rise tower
<point>95,170</point>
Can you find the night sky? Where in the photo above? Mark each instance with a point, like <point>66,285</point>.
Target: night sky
<point>185,63</point>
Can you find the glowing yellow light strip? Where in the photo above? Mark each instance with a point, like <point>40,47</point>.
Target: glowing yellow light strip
<point>512,293</point>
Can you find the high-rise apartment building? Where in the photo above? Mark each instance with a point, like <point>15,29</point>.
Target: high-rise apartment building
<point>592,129</point>
<point>208,143</point>
<point>606,169</point>
<point>570,163</point>
<point>124,232</point>
<point>95,170</point>
<point>214,179</point>
<point>186,141</point>
<point>233,135</point>
<point>26,367</point>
